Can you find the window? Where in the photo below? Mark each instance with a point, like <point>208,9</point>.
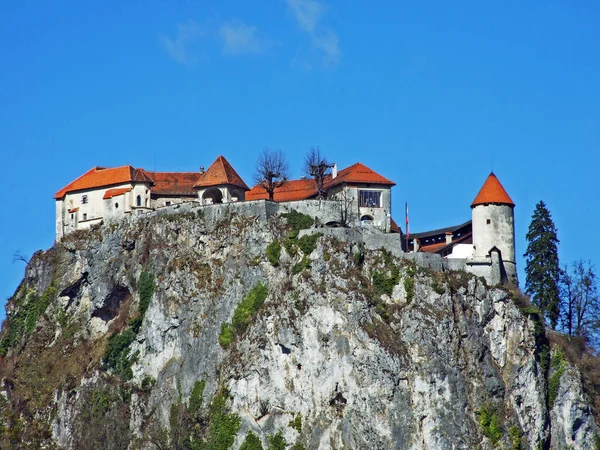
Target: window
<point>84,199</point>
<point>370,199</point>
<point>167,203</point>
<point>116,206</point>
<point>488,221</point>
<point>84,216</point>
<point>138,200</point>
<point>72,216</point>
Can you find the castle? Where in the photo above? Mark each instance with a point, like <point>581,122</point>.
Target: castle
<point>357,197</point>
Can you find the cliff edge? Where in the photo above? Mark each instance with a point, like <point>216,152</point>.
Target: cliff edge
<point>180,332</point>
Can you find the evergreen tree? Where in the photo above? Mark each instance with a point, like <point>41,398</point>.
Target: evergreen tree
<point>542,267</point>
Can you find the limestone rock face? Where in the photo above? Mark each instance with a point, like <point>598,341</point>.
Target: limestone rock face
<point>351,349</point>
<point>573,425</point>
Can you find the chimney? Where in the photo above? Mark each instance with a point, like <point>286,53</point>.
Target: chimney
<point>334,171</point>
<point>415,245</point>
<point>201,170</point>
<point>449,237</point>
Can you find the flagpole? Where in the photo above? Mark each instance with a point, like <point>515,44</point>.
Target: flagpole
<point>406,210</point>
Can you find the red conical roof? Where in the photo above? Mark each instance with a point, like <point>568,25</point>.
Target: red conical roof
<point>492,191</point>
<point>220,172</point>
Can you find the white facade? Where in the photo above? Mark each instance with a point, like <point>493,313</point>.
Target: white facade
<point>493,226</point>
<point>366,204</point>
<point>80,210</point>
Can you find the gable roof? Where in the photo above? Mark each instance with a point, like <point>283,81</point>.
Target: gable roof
<point>492,191</point>
<point>220,172</point>
<point>101,176</point>
<point>173,183</point>
<point>290,191</point>
<point>357,173</point>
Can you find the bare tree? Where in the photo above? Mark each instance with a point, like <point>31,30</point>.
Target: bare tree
<point>581,302</point>
<point>347,215</point>
<point>18,256</point>
<point>271,170</point>
<point>317,167</point>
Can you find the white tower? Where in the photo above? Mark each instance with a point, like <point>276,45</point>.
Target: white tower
<point>493,223</point>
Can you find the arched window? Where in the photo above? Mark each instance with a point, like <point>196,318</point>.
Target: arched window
<point>138,200</point>
<point>116,206</point>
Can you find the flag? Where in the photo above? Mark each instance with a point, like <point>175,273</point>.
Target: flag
<point>407,231</point>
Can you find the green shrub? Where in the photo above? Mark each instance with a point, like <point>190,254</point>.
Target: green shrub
<point>558,365</point>
<point>277,442</point>
<point>244,312</point>
<point>516,438</point>
<point>300,266</point>
<point>226,335</point>
<point>148,381</point>
<point>385,284</point>
<point>252,442</point>
<point>298,446</point>
<point>223,424</point>
<point>274,253</point>
<point>296,423</point>
<point>298,221</point>
<point>409,283</point>
<point>146,285</point>
<point>196,399</point>
<point>358,258</point>
<point>490,424</point>
<point>249,306</point>
<point>116,354</point>
<point>135,324</point>
<point>308,243</point>
<point>23,320</point>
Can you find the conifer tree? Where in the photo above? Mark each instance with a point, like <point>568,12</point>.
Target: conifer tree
<point>542,268</point>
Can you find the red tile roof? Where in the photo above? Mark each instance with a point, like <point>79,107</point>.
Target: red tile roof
<point>303,189</point>
<point>394,228</point>
<point>220,172</point>
<point>173,183</point>
<point>492,191</point>
<point>290,191</point>
<point>114,192</point>
<point>100,177</point>
<point>433,248</point>
<point>74,210</point>
<point>357,173</point>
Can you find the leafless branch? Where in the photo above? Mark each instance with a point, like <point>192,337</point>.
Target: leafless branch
<point>317,167</point>
<point>18,256</point>
<point>271,170</point>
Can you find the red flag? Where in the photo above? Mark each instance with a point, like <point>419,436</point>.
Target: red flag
<point>407,231</point>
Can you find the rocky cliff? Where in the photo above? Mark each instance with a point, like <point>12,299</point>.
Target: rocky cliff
<point>181,332</point>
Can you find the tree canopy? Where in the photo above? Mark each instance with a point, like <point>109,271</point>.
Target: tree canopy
<point>542,267</point>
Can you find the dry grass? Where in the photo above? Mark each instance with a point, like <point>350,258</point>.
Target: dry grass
<point>578,353</point>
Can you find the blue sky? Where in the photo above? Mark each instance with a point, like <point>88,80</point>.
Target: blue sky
<point>426,93</point>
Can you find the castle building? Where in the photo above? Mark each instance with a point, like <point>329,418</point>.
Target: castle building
<point>107,193</point>
<point>357,196</point>
<point>485,244</point>
<point>365,195</point>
